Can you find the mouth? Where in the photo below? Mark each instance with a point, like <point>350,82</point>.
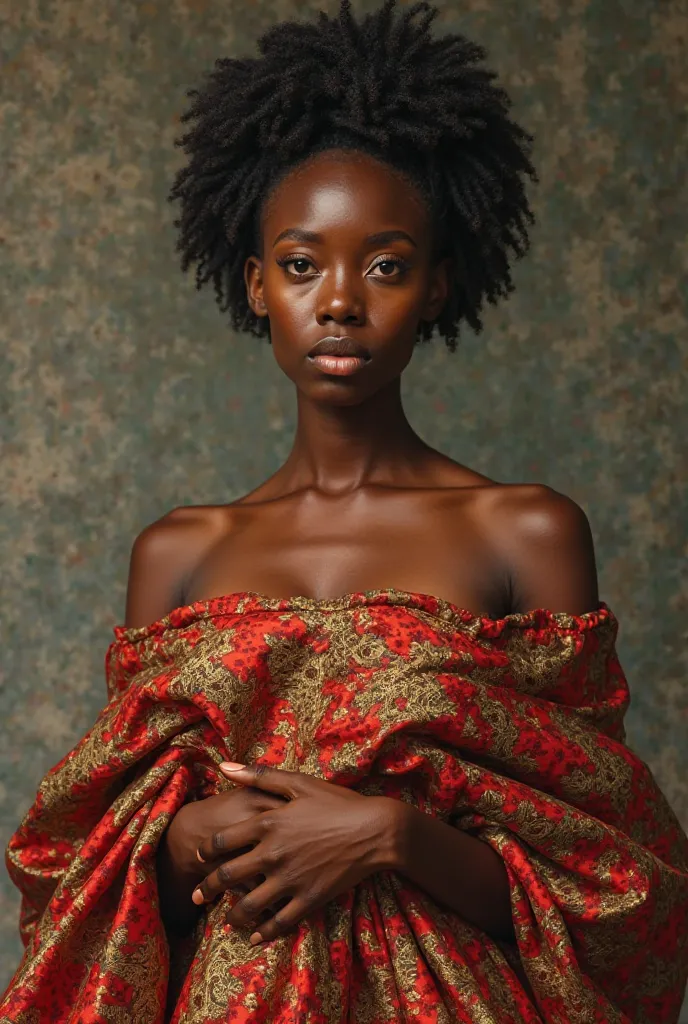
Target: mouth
<point>339,356</point>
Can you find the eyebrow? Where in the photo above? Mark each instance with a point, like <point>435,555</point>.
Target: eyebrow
<point>379,238</point>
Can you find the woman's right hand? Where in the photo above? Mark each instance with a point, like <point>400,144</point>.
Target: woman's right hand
<point>180,870</point>
<point>196,821</point>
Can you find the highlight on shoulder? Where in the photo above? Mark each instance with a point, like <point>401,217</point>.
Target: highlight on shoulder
<point>546,544</point>
<point>163,557</point>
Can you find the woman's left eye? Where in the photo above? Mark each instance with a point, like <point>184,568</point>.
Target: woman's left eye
<point>390,263</point>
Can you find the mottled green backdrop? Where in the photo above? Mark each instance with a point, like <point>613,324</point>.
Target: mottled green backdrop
<point>123,393</point>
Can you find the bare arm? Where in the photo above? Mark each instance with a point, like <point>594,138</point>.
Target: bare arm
<point>546,543</point>
<point>162,557</point>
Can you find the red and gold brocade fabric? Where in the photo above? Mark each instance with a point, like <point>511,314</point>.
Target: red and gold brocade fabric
<point>511,729</point>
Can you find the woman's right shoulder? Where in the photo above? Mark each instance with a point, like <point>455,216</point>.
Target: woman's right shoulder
<point>165,554</point>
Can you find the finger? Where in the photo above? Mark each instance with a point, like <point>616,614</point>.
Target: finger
<point>248,910</point>
<point>245,887</point>
<point>262,776</point>
<point>253,883</point>
<point>245,833</point>
<point>282,921</point>
<point>211,861</point>
<point>240,869</point>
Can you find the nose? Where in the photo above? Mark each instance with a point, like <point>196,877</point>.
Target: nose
<point>340,298</point>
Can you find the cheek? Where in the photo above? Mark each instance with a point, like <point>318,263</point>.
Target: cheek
<point>286,355</point>
<point>393,318</point>
<point>291,307</point>
<point>399,356</point>
<point>397,306</point>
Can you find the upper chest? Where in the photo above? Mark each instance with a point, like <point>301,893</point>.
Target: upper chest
<point>365,521</point>
<point>427,541</point>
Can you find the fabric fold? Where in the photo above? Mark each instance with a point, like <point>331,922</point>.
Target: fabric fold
<point>512,729</point>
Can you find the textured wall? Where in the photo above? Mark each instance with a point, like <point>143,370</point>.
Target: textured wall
<point>124,394</point>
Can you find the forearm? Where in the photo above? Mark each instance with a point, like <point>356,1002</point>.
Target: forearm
<point>456,869</point>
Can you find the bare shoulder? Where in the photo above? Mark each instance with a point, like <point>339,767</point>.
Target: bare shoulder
<point>544,540</point>
<point>165,554</point>
<point>537,513</point>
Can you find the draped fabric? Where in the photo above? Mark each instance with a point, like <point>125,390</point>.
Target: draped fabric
<point>511,729</point>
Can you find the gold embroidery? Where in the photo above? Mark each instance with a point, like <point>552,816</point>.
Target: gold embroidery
<point>433,713</point>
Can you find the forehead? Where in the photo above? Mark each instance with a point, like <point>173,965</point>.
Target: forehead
<point>347,190</point>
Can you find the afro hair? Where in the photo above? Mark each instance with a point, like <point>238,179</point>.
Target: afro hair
<point>384,86</point>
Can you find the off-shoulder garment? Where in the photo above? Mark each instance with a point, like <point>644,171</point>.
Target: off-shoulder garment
<point>511,729</point>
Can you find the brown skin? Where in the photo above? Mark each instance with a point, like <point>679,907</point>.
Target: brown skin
<point>361,503</point>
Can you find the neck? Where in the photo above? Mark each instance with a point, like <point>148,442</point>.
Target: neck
<point>340,448</point>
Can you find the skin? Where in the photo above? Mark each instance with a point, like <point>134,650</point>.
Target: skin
<point>361,503</point>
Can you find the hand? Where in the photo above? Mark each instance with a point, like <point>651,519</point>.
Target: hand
<point>323,841</point>
<point>198,820</point>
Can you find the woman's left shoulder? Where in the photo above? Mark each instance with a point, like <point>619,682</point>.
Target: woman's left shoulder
<point>539,513</point>
<point>545,544</point>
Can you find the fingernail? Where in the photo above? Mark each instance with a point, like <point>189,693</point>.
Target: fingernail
<point>231,766</point>
<point>255,938</point>
<point>197,896</point>
<point>198,854</point>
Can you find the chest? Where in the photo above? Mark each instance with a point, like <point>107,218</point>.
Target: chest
<point>326,549</point>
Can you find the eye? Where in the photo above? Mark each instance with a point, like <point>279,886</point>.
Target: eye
<point>389,264</point>
<point>298,264</point>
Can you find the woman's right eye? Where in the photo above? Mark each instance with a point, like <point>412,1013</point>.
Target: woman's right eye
<point>300,264</point>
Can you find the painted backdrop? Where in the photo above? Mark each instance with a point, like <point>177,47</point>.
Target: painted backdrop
<point>123,393</point>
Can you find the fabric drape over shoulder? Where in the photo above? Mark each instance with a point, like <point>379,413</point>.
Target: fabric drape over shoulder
<point>511,729</point>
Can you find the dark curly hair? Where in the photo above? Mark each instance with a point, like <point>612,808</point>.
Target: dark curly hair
<point>383,86</point>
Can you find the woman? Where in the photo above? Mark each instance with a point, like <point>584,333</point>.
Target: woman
<point>361,803</point>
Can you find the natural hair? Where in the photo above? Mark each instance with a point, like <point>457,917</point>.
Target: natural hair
<point>382,86</point>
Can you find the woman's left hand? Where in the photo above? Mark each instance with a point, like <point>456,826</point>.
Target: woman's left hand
<point>324,840</point>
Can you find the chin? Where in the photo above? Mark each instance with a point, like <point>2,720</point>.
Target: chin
<point>337,394</point>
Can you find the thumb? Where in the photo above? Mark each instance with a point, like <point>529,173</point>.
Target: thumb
<point>271,780</point>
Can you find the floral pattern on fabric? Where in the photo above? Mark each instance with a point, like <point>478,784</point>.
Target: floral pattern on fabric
<point>511,729</point>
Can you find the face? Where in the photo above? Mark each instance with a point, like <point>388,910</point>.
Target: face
<point>346,255</point>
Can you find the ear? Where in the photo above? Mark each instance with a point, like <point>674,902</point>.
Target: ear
<point>438,290</point>
<point>253,278</point>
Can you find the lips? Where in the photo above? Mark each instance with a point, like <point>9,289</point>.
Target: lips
<point>339,346</point>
